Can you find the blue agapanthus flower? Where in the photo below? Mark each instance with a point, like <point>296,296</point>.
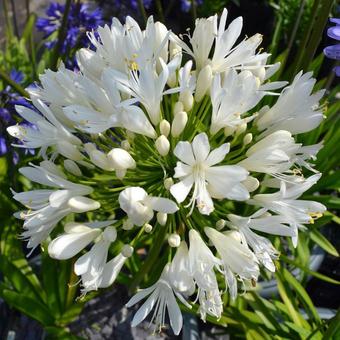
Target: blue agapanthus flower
<point>80,20</point>
<point>333,51</point>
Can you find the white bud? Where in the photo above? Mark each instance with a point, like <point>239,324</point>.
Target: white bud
<point>110,234</point>
<point>174,240</point>
<point>162,145</point>
<point>251,183</point>
<point>178,107</point>
<point>147,228</point>
<point>241,128</point>
<point>100,159</point>
<point>121,159</point>
<point>127,224</point>
<point>247,139</point>
<point>125,145</point>
<point>69,150</point>
<point>178,124</point>
<point>51,167</point>
<point>220,224</point>
<point>164,127</point>
<point>175,49</point>
<point>120,173</point>
<point>72,167</point>
<point>187,99</point>
<point>168,182</point>
<point>80,204</point>
<point>162,218</point>
<point>203,82</point>
<point>89,147</point>
<point>229,131</point>
<point>172,80</point>
<point>127,250</point>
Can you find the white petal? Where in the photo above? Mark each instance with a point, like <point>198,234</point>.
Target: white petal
<point>175,315</point>
<point>163,205</point>
<point>181,189</point>
<point>201,147</point>
<point>217,155</point>
<point>183,151</point>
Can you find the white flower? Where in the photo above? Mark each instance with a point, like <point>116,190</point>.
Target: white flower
<point>48,206</point>
<point>285,203</point>
<point>140,207</point>
<point>234,96</point>
<point>201,268</point>
<point>162,297</point>
<point>296,110</point>
<point>237,260</point>
<point>196,169</point>
<point>46,132</point>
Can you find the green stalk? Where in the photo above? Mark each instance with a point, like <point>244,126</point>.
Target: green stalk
<point>61,36</point>
<point>160,11</point>
<point>193,11</point>
<point>15,21</point>
<point>18,88</point>
<point>142,11</point>
<point>8,25</point>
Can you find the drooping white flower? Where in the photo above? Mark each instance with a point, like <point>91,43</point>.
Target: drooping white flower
<point>197,170</point>
<point>201,268</point>
<point>296,110</point>
<point>48,206</point>
<point>140,207</point>
<point>237,260</point>
<point>286,203</point>
<point>162,298</point>
<point>46,131</point>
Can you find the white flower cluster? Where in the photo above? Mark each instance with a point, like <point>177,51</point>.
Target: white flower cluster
<point>139,144</point>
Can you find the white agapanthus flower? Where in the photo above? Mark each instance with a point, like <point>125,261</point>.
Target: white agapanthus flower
<point>138,129</point>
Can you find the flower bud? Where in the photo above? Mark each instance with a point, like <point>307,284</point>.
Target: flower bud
<point>100,159</point>
<point>251,183</point>
<point>120,173</point>
<point>127,224</point>
<point>229,131</point>
<point>187,99</point>
<point>220,224</point>
<point>174,49</point>
<point>125,145</point>
<point>51,167</point>
<point>110,234</point>
<point>72,167</point>
<point>174,240</point>
<point>164,127</point>
<point>178,124</point>
<point>147,228</point>
<point>178,107</point>
<point>234,234</point>
<point>162,145</point>
<point>160,34</point>
<point>80,204</point>
<point>127,250</point>
<point>203,83</point>
<point>162,218</point>
<point>121,159</point>
<point>168,182</point>
<point>172,80</point>
<point>241,128</point>
<point>69,150</point>
<point>247,139</point>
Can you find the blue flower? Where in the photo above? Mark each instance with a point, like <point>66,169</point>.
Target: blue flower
<point>186,4</point>
<point>333,51</point>
<point>80,20</point>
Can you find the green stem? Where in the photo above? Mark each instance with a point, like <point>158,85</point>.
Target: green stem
<point>15,21</point>
<point>160,10</point>
<point>61,36</point>
<point>193,11</point>
<point>8,25</point>
<point>18,88</point>
<point>142,11</point>
<point>72,286</point>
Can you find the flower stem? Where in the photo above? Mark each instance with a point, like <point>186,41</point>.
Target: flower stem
<point>142,11</point>
<point>18,88</point>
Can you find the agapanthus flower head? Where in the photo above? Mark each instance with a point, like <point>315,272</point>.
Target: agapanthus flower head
<point>333,51</point>
<point>81,18</point>
<point>160,149</point>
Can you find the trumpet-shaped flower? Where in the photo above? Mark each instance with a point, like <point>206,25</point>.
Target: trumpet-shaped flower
<point>197,170</point>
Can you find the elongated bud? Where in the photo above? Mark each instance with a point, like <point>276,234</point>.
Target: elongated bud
<point>51,167</point>
<point>72,167</point>
<point>175,49</point>
<point>161,32</point>
<point>172,80</point>
<point>229,131</point>
<point>220,224</point>
<point>162,218</point>
<point>168,182</point>
<point>121,159</point>
<point>147,228</point>
<point>80,204</point>
<point>174,240</point>
<point>164,127</point>
<point>241,128</point>
<point>179,123</point>
<point>127,224</point>
<point>125,145</point>
<point>247,139</point>
<point>187,99</point>
<point>251,183</point>
<point>203,83</point>
<point>127,250</point>
<point>178,107</point>
<point>162,145</point>
<point>69,150</point>
<point>110,234</point>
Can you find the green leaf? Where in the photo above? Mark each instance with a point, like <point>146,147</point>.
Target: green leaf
<point>29,27</point>
<point>333,330</point>
<point>29,306</point>
<point>321,240</point>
